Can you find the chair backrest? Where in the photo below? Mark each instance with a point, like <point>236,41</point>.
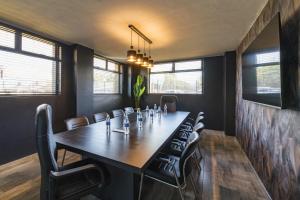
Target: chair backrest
<point>46,145</point>
<point>186,155</point>
<point>170,101</point>
<point>99,117</point>
<point>199,127</point>
<point>74,123</point>
<point>118,113</point>
<point>200,113</point>
<point>199,119</point>
<point>129,110</point>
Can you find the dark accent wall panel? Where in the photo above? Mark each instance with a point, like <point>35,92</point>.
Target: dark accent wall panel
<point>107,103</point>
<point>229,92</point>
<point>83,64</point>
<point>211,101</point>
<point>17,135</point>
<point>270,136</point>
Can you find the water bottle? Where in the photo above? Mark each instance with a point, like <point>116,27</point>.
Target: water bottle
<point>159,110</point>
<point>137,114</point>
<point>151,114</point>
<point>155,107</point>
<point>140,119</point>
<point>107,122</point>
<point>126,124</point>
<point>147,109</point>
<point>165,109</point>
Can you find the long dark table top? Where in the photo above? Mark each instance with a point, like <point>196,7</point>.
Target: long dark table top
<point>131,152</point>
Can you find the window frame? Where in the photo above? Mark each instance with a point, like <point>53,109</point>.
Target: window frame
<point>119,72</point>
<point>18,50</point>
<point>177,71</point>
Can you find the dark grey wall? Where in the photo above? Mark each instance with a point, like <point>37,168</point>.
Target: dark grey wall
<point>229,92</point>
<point>270,136</point>
<point>86,102</point>
<point>211,101</point>
<point>83,65</point>
<point>17,130</point>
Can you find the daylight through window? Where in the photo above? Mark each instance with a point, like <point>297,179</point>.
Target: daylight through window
<point>107,76</point>
<point>34,69</point>
<point>177,77</point>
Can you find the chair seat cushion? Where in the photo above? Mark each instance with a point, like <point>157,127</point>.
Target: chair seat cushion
<point>81,183</point>
<point>164,171</point>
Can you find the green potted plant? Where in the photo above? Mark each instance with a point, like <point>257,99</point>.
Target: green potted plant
<point>138,90</point>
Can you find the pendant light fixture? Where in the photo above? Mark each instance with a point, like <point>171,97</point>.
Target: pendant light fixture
<point>150,61</point>
<point>131,54</point>
<point>145,58</point>
<point>139,55</point>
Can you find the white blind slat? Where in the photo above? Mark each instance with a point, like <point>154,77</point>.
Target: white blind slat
<point>7,37</point>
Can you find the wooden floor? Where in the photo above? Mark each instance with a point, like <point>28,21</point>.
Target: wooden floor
<point>226,174</point>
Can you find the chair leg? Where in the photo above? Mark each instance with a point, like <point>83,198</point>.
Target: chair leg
<point>180,192</point>
<point>62,162</point>
<point>196,162</point>
<point>194,186</point>
<point>179,188</point>
<point>141,186</point>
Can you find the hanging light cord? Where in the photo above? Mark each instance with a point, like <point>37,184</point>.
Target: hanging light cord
<point>138,43</point>
<point>131,38</point>
<point>144,48</point>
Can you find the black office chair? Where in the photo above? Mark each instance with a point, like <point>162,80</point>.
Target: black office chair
<point>200,114</point>
<point>69,182</point>
<point>192,120</point>
<point>172,170</point>
<point>118,113</point>
<point>129,110</point>
<point>190,123</point>
<point>74,123</point>
<point>178,144</point>
<point>169,100</point>
<point>184,133</point>
<point>99,117</point>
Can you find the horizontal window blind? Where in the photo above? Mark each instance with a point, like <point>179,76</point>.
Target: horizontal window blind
<point>32,70</point>
<point>37,45</point>
<point>99,62</point>
<point>21,74</point>
<point>166,67</point>
<point>107,76</point>
<point>188,65</point>
<point>7,37</point>
<point>106,82</point>
<point>112,66</point>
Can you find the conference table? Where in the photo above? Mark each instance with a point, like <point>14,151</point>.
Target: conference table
<point>125,156</point>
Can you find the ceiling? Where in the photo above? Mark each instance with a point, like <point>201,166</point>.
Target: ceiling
<point>179,29</point>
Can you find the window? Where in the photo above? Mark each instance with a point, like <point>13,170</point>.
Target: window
<point>7,37</point>
<point>268,72</point>
<point>177,77</point>
<point>107,76</point>
<point>33,69</point>
<point>36,45</point>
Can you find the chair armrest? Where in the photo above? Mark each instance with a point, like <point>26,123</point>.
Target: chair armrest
<point>70,172</point>
<point>191,119</point>
<point>188,123</point>
<point>164,160</point>
<point>177,140</point>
